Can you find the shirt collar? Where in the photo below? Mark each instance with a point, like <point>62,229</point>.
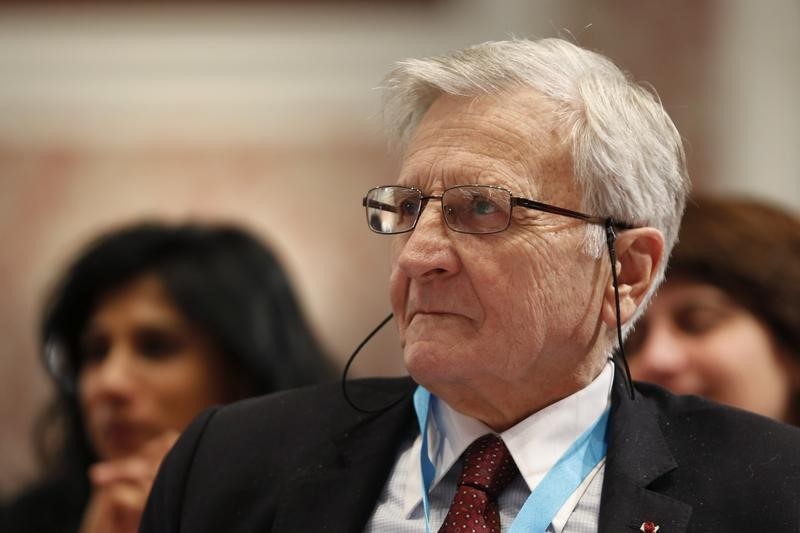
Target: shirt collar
<point>535,443</point>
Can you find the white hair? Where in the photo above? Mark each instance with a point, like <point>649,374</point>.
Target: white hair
<point>628,157</point>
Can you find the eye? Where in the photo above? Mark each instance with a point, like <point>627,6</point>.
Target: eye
<point>409,207</point>
<point>157,344</point>
<point>484,206</point>
<point>699,320</point>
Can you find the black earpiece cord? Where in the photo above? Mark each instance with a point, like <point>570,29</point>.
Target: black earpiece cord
<point>347,369</point>
<point>611,238</point>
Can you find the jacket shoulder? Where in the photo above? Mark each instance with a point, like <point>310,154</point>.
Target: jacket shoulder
<point>319,409</point>
<point>65,499</point>
<point>249,455</point>
<point>729,463</point>
<point>692,419</point>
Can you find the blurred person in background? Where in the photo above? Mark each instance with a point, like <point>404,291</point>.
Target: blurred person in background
<point>152,324</point>
<point>726,324</point>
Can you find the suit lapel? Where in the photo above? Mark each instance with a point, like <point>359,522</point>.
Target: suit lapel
<point>638,455</point>
<point>339,493</point>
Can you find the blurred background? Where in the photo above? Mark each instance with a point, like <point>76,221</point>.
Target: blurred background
<point>264,113</point>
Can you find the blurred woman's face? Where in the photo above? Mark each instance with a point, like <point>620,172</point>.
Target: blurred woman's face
<point>694,339</point>
<point>145,369</point>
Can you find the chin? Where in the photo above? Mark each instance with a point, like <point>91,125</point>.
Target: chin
<point>428,363</point>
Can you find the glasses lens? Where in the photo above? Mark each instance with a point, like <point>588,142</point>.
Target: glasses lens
<point>392,209</point>
<point>477,209</point>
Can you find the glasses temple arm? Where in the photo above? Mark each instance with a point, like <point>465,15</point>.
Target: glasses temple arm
<point>374,204</point>
<point>547,208</point>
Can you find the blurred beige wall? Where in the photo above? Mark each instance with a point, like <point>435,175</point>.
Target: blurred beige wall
<point>266,116</point>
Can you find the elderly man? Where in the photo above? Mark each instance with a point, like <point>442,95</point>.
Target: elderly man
<point>526,166</point>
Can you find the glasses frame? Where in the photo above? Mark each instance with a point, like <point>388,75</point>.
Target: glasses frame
<point>514,200</point>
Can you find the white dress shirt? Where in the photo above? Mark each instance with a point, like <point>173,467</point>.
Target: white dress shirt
<point>536,443</point>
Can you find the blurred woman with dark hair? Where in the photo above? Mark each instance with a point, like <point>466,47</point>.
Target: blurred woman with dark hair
<point>726,323</point>
<point>152,324</point>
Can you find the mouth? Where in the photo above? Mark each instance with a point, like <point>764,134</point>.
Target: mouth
<point>119,438</point>
<point>432,315</point>
<point>415,314</point>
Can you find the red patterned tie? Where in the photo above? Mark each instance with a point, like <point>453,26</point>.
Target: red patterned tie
<point>488,468</point>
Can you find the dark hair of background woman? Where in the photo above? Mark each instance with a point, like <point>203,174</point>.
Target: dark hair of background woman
<point>221,278</point>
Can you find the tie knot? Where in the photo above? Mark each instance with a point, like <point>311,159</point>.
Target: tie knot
<point>488,465</point>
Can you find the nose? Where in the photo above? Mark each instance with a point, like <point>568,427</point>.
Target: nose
<point>427,252</point>
<point>662,356</point>
<point>110,379</point>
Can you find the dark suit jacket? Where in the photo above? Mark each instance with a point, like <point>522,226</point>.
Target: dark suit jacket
<point>303,461</point>
<point>52,506</point>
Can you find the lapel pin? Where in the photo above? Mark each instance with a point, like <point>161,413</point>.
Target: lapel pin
<point>649,527</point>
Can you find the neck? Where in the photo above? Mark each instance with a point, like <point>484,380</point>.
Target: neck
<point>501,405</point>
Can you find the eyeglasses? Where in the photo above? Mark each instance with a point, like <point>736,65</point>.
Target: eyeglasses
<point>475,209</point>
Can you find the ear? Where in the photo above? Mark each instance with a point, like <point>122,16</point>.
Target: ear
<point>639,253</point>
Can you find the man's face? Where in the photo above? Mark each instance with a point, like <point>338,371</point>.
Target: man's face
<point>498,325</point>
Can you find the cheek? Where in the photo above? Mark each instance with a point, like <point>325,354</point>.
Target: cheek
<point>185,388</point>
<point>536,288</point>
<point>87,397</point>
<point>736,356</point>
<point>514,303</point>
<point>743,369</point>
<point>517,300</point>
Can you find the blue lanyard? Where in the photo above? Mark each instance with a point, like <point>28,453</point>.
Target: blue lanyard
<point>422,402</point>
<point>552,492</point>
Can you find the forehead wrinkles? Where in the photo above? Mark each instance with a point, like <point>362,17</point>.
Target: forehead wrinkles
<point>509,140</point>
<point>431,169</point>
